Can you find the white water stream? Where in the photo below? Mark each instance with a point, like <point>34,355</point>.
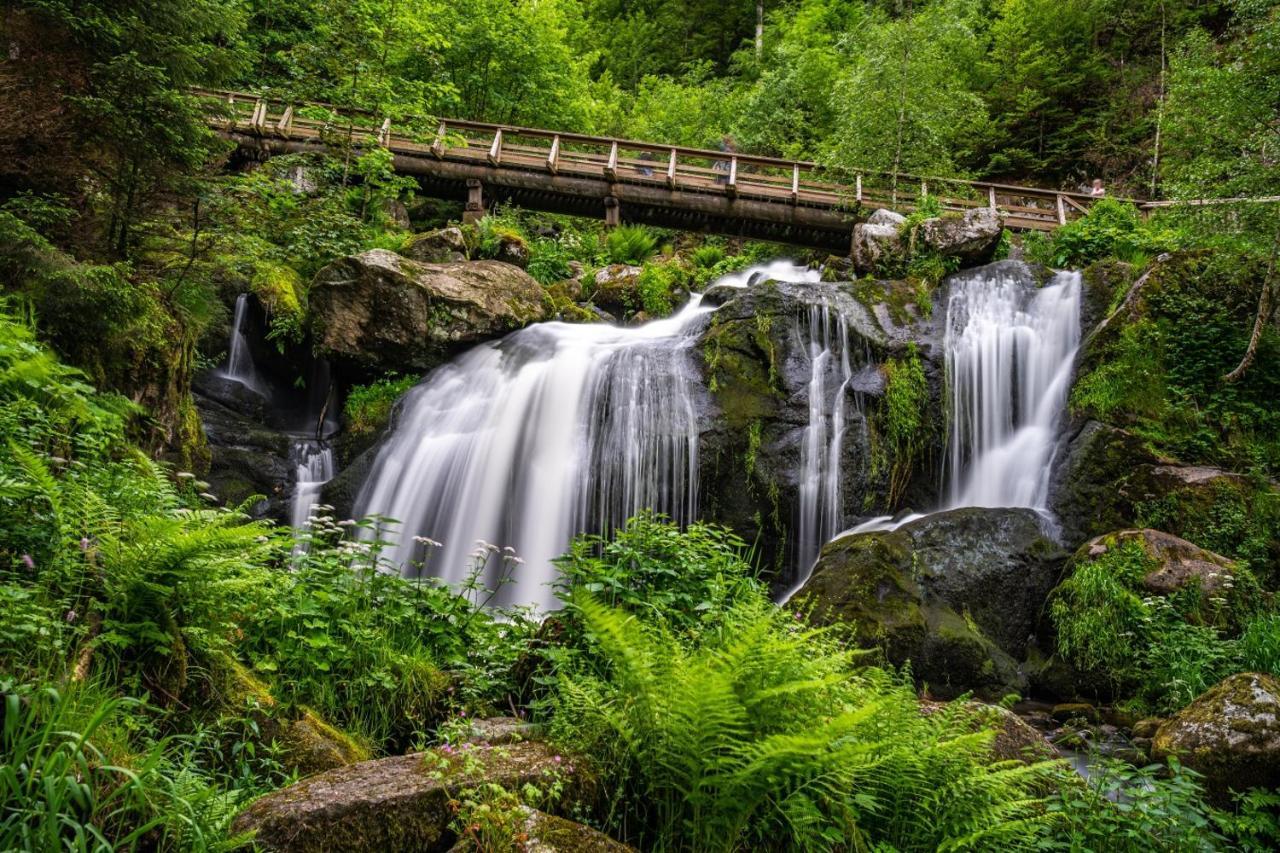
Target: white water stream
<point>239,356</point>
<point>554,430</point>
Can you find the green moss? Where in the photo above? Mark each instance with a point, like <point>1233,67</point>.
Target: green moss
<point>367,409</point>
<point>904,425</point>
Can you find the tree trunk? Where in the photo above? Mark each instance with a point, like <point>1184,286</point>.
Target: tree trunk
<point>1266,308</point>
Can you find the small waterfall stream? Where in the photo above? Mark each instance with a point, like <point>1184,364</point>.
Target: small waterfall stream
<point>554,430</point>
<point>313,467</point>
<point>821,503</point>
<point>239,356</point>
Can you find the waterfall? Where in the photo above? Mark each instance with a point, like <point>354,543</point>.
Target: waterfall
<point>239,357</point>
<point>1010,351</point>
<point>555,430</point>
<point>313,467</point>
<point>821,502</point>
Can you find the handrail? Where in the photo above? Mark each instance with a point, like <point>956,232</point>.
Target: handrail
<point>610,143</point>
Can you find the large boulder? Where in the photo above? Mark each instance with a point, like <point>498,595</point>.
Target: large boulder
<point>971,237</point>
<point>874,244</point>
<point>402,803</point>
<point>377,311</point>
<point>1230,734</point>
<point>1085,487</point>
<point>957,593</point>
<point>442,246</point>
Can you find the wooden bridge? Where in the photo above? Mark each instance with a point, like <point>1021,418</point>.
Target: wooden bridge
<point>768,198</point>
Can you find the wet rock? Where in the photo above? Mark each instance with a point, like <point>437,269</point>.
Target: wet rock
<point>500,730</point>
<point>401,803</point>
<point>1015,738</point>
<point>246,458</point>
<point>1230,734</point>
<point>443,246</point>
<point>755,362</point>
<point>1086,489</point>
<point>957,593</point>
<point>1067,711</point>
<point>376,312</point>
<point>971,237</point>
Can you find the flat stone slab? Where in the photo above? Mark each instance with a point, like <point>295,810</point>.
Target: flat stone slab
<point>401,803</point>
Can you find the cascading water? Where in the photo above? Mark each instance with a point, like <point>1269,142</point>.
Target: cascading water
<point>239,356</point>
<point>555,430</point>
<point>1010,348</point>
<point>313,467</point>
<point>821,504</point>
<point>1010,351</point>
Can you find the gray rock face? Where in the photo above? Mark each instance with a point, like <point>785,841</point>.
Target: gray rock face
<point>958,593</point>
<point>246,458</point>
<point>1086,489</point>
<point>873,244</point>
<point>971,237</point>
<point>401,803</point>
<point>445,246</point>
<point>1231,734</point>
<point>378,311</point>
<point>755,359</point>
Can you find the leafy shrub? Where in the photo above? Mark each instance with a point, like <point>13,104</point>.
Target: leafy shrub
<point>630,244</point>
<point>368,407</point>
<point>657,284</point>
<point>905,421</point>
<point>685,578</point>
<point>495,230</point>
<point>1110,229</point>
<point>765,730</point>
<point>549,261</point>
<point>1132,810</point>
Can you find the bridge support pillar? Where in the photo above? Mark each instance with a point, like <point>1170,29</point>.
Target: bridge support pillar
<point>474,210</point>
<point>612,212</point>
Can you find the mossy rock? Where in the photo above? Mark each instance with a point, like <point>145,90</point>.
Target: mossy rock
<point>1230,734</point>
<point>402,803</point>
<point>546,833</point>
<point>309,743</point>
<point>957,593</point>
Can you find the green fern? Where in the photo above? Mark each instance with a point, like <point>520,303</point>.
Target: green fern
<point>767,730</point>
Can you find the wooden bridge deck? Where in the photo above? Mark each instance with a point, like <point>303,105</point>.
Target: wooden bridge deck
<point>625,180</point>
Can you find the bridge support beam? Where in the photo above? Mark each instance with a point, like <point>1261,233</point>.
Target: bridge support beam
<point>612,212</point>
<point>474,210</point>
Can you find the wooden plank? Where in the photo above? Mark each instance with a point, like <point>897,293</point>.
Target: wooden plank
<point>286,122</point>
<point>384,133</point>
<point>495,150</point>
<point>671,170</point>
<point>795,183</point>
<point>731,186</point>
<point>1062,211</point>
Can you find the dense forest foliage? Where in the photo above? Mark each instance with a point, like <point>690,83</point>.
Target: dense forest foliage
<point>164,660</point>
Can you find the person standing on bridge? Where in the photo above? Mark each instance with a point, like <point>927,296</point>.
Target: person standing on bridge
<point>1097,190</point>
<point>727,146</point>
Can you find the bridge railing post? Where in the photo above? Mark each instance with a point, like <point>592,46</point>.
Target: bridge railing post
<point>475,201</point>
<point>991,197</point>
<point>857,188</point>
<point>437,147</point>
<point>1062,210</point>
<point>553,159</point>
<point>611,167</point>
<point>731,186</point>
<point>384,133</point>
<point>495,150</point>
<point>284,127</point>
<point>671,171</point>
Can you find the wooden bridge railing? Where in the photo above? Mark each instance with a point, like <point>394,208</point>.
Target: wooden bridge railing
<point>677,169</point>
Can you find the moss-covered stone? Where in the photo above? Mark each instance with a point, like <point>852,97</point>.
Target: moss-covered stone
<point>958,594</point>
<point>378,312</point>
<point>545,833</point>
<point>402,803</point>
<point>308,743</point>
<point>1230,734</point>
